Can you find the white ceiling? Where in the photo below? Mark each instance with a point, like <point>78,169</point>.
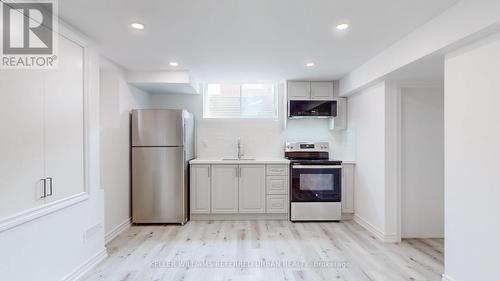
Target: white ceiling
<point>248,40</point>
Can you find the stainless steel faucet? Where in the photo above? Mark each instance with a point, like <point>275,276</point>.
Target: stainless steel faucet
<point>240,152</point>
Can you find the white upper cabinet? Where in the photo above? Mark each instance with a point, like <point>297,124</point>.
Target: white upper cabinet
<point>200,189</point>
<point>64,124</point>
<point>21,145</point>
<point>322,91</point>
<point>340,121</point>
<point>43,133</point>
<point>307,90</point>
<point>299,90</point>
<point>224,183</point>
<point>252,188</point>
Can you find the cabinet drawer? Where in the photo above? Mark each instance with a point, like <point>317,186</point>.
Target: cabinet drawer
<point>277,204</point>
<point>277,170</point>
<point>277,185</point>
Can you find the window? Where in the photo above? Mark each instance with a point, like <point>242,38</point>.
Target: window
<point>239,101</point>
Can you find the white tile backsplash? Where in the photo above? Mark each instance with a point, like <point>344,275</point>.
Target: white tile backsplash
<point>217,138</point>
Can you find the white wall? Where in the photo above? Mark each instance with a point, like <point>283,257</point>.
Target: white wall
<point>373,117</point>
<point>117,99</point>
<point>53,246</point>
<point>472,157</point>
<point>366,116</point>
<point>191,102</point>
<point>422,153</point>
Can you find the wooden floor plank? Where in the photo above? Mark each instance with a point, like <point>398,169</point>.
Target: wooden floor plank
<point>266,250</point>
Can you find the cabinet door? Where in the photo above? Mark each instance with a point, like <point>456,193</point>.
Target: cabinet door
<point>348,188</point>
<point>64,123</point>
<point>200,189</point>
<point>299,90</point>
<point>252,189</point>
<point>21,141</point>
<point>224,189</point>
<point>322,91</point>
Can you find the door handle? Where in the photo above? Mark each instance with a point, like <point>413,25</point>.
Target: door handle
<point>50,186</point>
<point>44,188</point>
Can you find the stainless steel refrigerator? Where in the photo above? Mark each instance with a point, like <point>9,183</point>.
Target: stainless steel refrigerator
<point>162,145</point>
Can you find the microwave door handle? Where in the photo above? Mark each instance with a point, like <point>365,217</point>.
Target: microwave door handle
<point>316,167</point>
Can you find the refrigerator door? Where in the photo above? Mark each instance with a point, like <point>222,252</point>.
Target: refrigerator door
<point>188,141</point>
<point>157,127</point>
<point>158,185</point>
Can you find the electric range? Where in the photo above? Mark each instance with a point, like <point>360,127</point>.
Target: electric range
<point>315,182</point>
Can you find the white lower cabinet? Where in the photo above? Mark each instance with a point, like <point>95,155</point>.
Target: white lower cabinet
<point>348,188</point>
<point>224,186</point>
<point>238,189</point>
<point>277,204</point>
<point>252,188</point>
<point>200,189</point>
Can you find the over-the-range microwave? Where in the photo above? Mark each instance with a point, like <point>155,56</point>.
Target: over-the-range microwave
<point>312,109</point>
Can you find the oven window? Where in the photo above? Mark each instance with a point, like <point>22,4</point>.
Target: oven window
<point>316,182</point>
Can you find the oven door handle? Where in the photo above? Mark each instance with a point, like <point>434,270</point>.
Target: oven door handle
<point>316,167</point>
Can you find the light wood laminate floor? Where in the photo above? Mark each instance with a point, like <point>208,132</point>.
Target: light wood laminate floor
<point>266,250</point>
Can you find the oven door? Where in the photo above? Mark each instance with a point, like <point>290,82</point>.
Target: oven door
<point>316,183</point>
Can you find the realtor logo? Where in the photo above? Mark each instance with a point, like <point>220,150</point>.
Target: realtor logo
<point>28,34</point>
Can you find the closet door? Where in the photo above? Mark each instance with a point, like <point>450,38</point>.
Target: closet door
<point>64,122</point>
<point>21,141</point>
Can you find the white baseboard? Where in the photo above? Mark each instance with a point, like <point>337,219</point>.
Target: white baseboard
<point>81,270</point>
<point>117,230</point>
<point>386,238</point>
<point>447,278</point>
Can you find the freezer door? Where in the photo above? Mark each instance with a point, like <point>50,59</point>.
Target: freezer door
<point>157,127</point>
<point>158,187</point>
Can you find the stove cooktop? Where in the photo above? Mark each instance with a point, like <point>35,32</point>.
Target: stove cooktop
<point>316,161</point>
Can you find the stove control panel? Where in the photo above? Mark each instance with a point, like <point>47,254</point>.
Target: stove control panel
<point>306,146</point>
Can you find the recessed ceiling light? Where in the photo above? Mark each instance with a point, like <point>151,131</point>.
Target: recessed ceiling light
<point>342,26</point>
<point>173,63</point>
<point>310,64</point>
<point>137,25</point>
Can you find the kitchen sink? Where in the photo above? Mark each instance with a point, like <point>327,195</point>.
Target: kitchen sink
<point>240,159</point>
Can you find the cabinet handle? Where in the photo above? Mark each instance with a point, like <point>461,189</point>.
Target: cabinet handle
<point>241,172</point>
<point>50,186</point>
<point>44,188</point>
<point>236,172</point>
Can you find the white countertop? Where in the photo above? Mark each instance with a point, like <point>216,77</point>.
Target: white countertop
<point>242,161</point>
<point>248,161</point>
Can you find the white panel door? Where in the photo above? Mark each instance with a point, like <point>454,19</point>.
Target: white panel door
<point>299,90</point>
<point>64,123</point>
<point>224,189</point>
<point>322,91</point>
<point>348,188</point>
<point>200,189</point>
<point>21,141</point>
<point>252,189</point>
